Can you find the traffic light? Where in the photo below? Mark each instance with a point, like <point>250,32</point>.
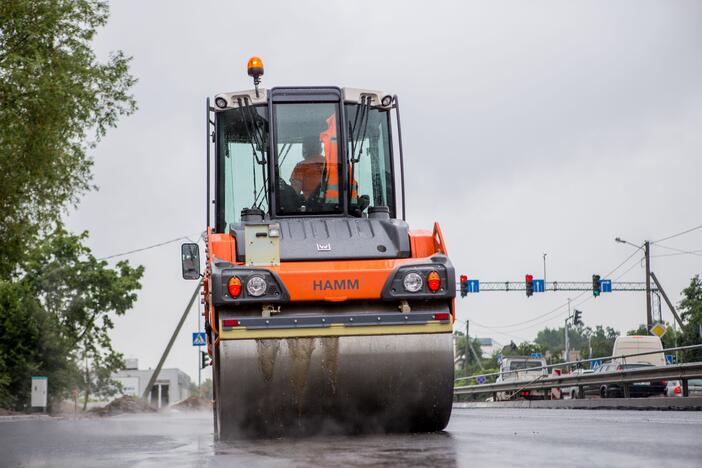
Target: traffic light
<point>596,285</point>
<point>529,285</point>
<point>577,318</point>
<point>204,360</point>
<point>464,285</point>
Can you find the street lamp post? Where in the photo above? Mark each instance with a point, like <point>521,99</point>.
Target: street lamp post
<point>646,249</point>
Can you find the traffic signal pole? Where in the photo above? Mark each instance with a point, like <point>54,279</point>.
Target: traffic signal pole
<point>649,316</point>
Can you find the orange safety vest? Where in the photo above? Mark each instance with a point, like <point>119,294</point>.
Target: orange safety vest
<point>331,153</point>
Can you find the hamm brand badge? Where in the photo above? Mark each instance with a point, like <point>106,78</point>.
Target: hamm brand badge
<point>334,285</point>
<point>323,247</point>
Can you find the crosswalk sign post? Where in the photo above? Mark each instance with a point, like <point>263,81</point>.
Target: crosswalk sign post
<point>199,339</point>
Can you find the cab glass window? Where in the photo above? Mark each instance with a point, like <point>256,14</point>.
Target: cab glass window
<point>307,161</point>
<point>242,157</point>
<point>370,159</point>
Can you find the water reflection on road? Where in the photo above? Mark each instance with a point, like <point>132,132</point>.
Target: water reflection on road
<point>435,449</point>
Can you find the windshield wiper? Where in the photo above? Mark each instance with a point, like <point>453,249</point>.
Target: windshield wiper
<point>356,130</point>
<point>254,131</point>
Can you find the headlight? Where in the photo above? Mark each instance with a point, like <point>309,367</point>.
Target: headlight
<point>256,286</point>
<point>412,282</point>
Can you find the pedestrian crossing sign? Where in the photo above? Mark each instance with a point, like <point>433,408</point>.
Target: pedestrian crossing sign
<point>199,339</point>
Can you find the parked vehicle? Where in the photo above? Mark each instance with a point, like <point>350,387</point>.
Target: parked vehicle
<point>522,369</point>
<point>639,344</point>
<point>616,390</point>
<point>572,392</point>
<point>674,388</point>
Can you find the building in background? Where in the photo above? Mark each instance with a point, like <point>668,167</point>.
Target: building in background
<point>171,386</point>
<point>489,347</point>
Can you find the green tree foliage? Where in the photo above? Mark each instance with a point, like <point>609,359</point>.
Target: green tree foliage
<point>56,318</point>
<point>602,341</point>
<point>690,309</point>
<point>460,348</point>
<point>56,101</point>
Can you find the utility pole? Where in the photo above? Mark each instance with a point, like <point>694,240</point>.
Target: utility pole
<point>470,346</point>
<point>565,328</point>
<point>199,364</point>
<point>154,374</point>
<point>649,316</point>
<point>544,267</point>
<point>466,346</point>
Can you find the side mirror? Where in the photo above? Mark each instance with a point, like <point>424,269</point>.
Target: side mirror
<point>190,258</point>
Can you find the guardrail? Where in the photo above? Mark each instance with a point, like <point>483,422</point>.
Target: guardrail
<point>681,372</point>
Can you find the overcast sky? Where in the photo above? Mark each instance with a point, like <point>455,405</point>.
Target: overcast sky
<point>529,128</point>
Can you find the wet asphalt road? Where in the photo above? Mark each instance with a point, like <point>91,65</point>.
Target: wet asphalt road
<point>474,437</point>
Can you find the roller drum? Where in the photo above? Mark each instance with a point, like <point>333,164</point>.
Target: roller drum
<point>338,384</point>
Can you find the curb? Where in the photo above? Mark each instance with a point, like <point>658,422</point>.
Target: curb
<point>657,404</point>
<point>25,417</point>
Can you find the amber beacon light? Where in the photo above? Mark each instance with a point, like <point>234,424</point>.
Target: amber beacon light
<point>255,70</point>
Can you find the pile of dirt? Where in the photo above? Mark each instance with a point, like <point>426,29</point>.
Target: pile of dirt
<point>193,403</point>
<point>124,405</point>
<point>7,412</point>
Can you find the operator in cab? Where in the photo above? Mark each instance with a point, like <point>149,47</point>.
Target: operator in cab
<point>307,174</point>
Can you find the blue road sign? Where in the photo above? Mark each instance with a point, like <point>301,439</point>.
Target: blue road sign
<point>536,355</point>
<point>473,286</point>
<point>668,358</point>
<point>606,286</point>
<point>538,286</point>
<point>199,339</point>
<point>499,358</point>
<point>596,363</point>
<point>480,379</point>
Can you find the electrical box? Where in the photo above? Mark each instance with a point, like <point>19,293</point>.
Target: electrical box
<point>40,387</point>
<point>262,244</point>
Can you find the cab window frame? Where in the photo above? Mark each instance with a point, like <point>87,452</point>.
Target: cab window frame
<point>306,95</point>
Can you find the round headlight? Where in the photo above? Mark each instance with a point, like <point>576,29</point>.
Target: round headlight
<point>220,102</point>
<point>256,286</point>
<point>386,101</point>
<point>412,282</point>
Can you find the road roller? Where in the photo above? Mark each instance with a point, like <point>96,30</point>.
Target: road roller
<point>324,311</point>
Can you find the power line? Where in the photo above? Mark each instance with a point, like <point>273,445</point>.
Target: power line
<point>148,247</point>
<point>680,251</point>
<point>679,234</point>
<point>677,254</point>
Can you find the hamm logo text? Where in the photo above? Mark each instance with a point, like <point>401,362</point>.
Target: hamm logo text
<point>333,285</point>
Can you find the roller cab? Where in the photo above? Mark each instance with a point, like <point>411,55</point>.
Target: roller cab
<point>324,311</point>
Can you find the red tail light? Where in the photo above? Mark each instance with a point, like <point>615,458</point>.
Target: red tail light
<point>441,316</point>
<point>677,390</point>
<point>525,393</point>
<point>433,281</point>
<point>234,286</point>
<point>230,323</point>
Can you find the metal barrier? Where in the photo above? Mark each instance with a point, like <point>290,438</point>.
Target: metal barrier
<point>681,372</point>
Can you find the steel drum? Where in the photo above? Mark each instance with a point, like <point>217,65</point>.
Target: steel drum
<point>340,384</point>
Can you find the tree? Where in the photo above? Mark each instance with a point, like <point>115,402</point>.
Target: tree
<point>690,308</point>
<point>56,318</point>
<point>601,339</point>
<point>56,101</point>
<point>84,297</point>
